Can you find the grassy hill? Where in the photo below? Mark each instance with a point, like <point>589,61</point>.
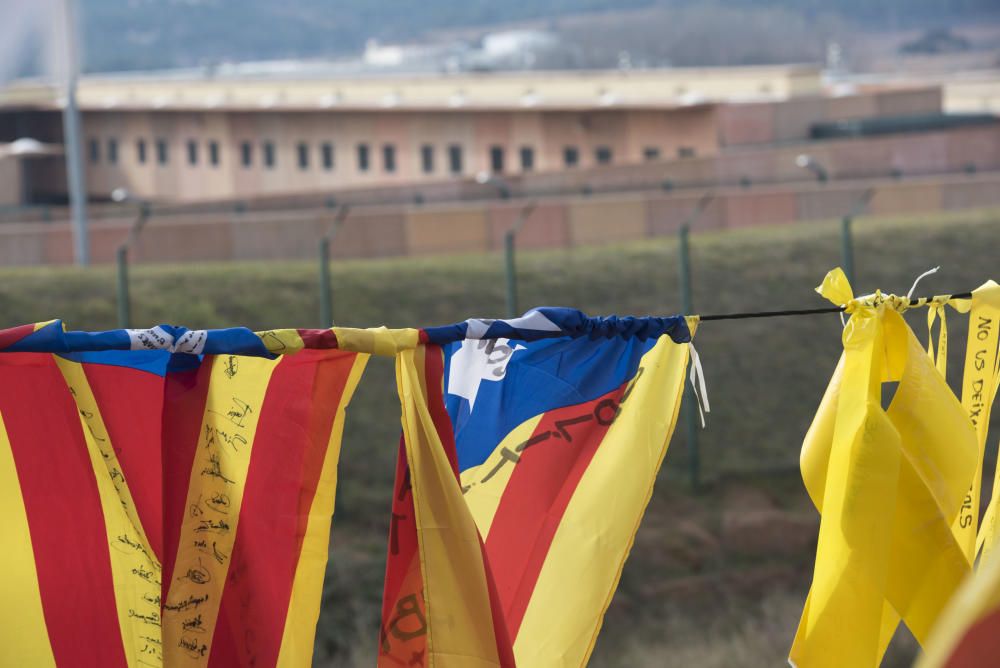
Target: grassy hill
<point>697,557</point>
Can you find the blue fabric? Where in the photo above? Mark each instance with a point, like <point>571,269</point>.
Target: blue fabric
<point>566,322</point>
<point>151,361</point>
<point>540,376</point>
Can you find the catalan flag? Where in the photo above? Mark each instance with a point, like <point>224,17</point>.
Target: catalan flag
<point>166,493</point>
<point>529,452</point>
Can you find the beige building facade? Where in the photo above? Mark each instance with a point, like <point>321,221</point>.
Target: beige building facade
<point>191,139</point>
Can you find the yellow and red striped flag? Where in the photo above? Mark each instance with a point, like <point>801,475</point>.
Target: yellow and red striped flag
<point>167,494</point>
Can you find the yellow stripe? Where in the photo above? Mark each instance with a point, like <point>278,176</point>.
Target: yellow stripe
<point>377,340</point>
<point>483,498</point>
<point>588,551</point>
<point>978,392</point>
<point>134,568</point>
<point>459,619</point>
<point>281,341</point>
<point>303,610</point>
<point>232,410</point>
<point>24,638</point>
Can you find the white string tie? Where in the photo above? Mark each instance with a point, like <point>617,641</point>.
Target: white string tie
<point>698,384</point>
<point>914,286</point>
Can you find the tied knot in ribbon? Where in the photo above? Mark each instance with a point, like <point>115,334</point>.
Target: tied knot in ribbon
<point>837,289</point>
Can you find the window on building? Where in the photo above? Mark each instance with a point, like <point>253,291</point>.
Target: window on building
<point>326,151</point>
<point>140,151</point>
<point>651,153</point>
<point>213,153</point>
<point>389,157</point>
<point>603,155</point>
<point>364,159</point>
<point>161,151</point>
<point>303,151</point>
<point>427,158</point>
<point>571,156</point>
<point>527,159</point>
<point>246,154</point>
<point>192,150</point>
<point>94,150</point>
<point>496,159</point>
<point>269,154</point>
<point>685,152</point>
<point>113,151</point>
<point>455,159</point>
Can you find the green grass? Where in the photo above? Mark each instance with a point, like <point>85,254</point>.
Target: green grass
<point>765,377</point>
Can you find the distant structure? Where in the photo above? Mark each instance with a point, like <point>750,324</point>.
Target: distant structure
<point>188,136</point>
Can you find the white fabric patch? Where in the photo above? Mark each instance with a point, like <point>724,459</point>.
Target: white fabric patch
<point>191,342</point>
<point>533,320</point>
<point>476,328</point>
<point>477,361</point>
<point>156,338</point>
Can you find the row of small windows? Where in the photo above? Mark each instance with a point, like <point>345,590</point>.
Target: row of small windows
<point>160,147</point>
<point>603,155</point>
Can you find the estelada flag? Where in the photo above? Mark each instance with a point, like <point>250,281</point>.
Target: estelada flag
<point>529,452</point>
<point>166,494</point>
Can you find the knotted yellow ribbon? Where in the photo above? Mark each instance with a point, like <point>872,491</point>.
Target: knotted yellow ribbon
<point>888,483</point>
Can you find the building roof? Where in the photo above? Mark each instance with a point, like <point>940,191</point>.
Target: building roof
<point>563,90</point>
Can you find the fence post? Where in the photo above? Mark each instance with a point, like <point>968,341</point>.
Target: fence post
<point>509,263</point>
<point>124,306</point>
<point>847,247</point>
<point>690,419</point>
<point>325,290</point>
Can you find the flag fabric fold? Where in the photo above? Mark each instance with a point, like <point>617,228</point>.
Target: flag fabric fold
<point>169,494</point>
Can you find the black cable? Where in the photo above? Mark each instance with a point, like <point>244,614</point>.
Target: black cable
<point>806,311</point>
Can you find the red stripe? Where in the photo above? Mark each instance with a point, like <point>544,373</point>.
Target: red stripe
<point>434,382</point>
<point>131,405</point>
<point>505,644</point>
<point>9,337</point>
<point>289,448</point>
<point>64,512</point>
<point>318,338</point>
<point>981,641</point>
<point>537,494</point>
<point>403,632</point>
<point>434,379</point>
<point>184,397</point>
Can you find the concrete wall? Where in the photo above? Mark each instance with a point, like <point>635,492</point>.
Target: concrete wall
<point>477,227</point>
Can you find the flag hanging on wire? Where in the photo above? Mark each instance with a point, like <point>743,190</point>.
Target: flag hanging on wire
<point>889,484</point>
<point>528,455</point>
<point>166,493</point>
